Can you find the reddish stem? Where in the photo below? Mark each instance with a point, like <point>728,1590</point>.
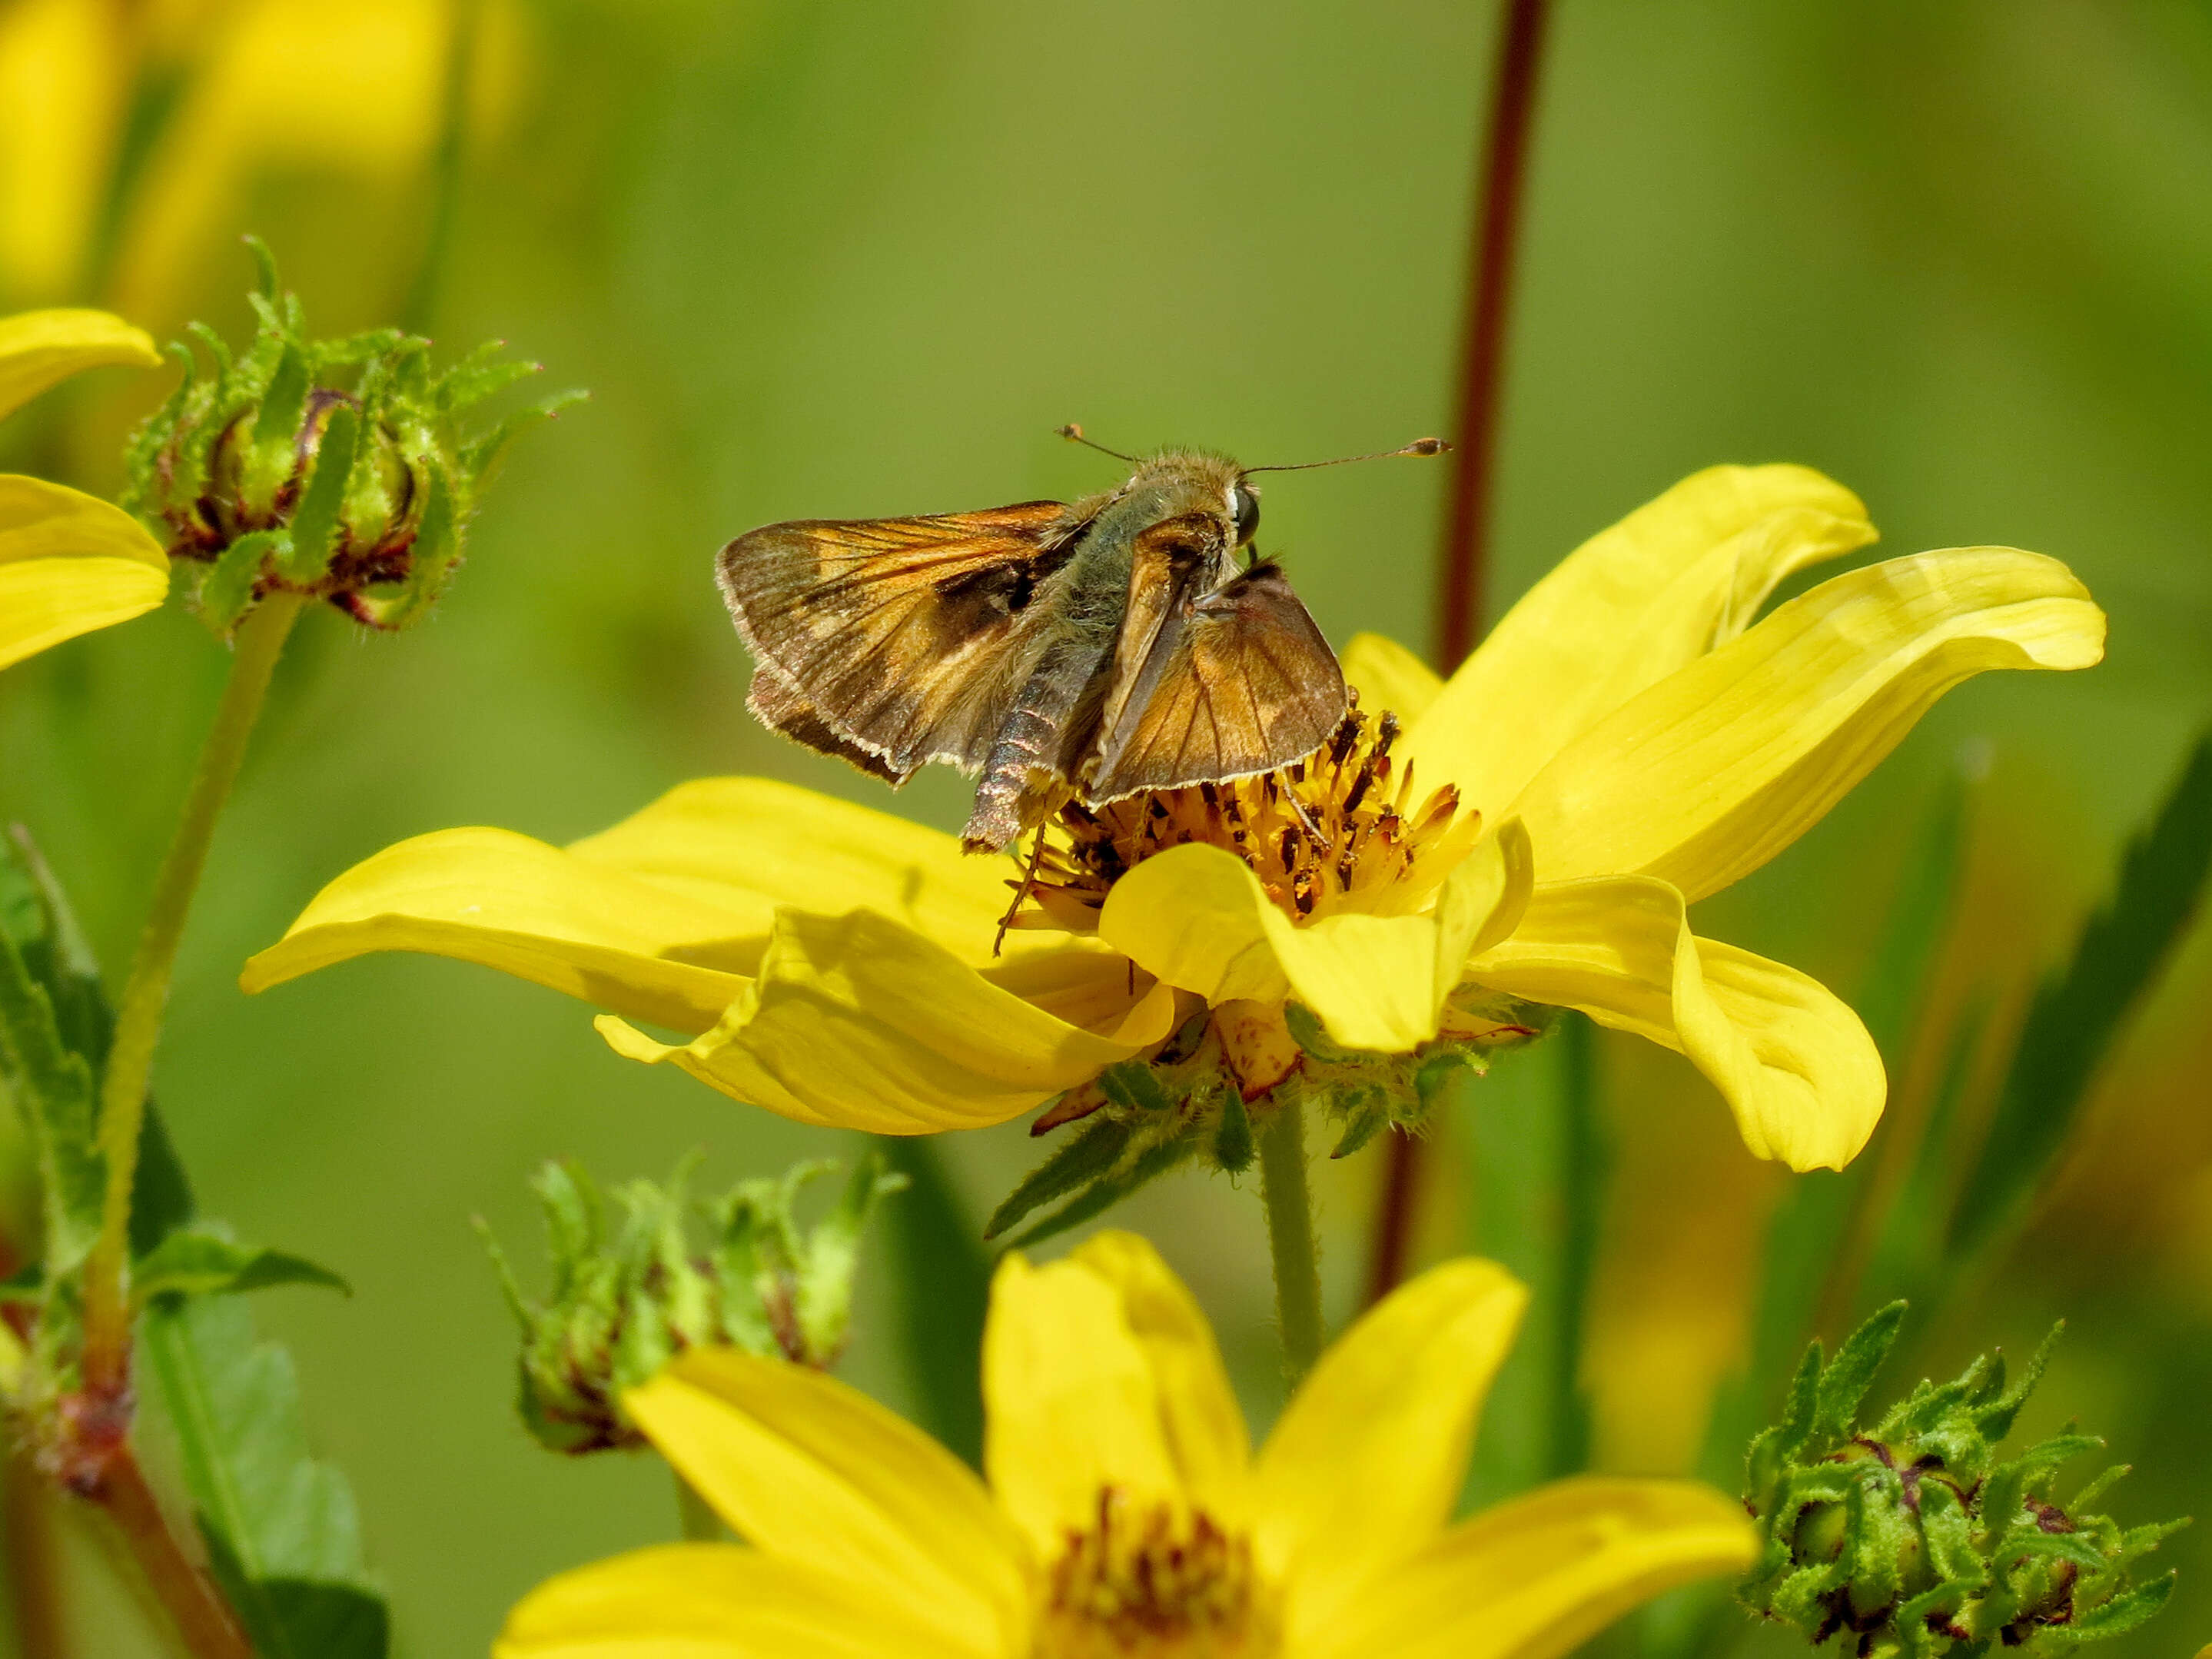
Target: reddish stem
<point>201,1616</point>
<point>1462,576</point>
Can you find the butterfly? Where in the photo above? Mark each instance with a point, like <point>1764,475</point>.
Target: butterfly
<point>1132,641</point>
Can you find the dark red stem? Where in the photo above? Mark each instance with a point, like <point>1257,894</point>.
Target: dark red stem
<point>1462,574</point>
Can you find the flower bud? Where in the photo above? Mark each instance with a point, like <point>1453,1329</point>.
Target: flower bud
<point>625,1302</point>
<point>335,469</point>
<point>1914,1536</point>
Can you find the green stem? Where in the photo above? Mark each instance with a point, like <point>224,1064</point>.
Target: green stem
<point>1290,1235</point>
<point>694,1515</point>
<point>146,993</point>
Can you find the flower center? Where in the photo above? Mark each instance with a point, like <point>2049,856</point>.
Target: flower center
<point>1148,1581</point>
<point>1335,832</point>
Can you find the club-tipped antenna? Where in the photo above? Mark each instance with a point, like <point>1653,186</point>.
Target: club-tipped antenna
<point>1074,434</point>
<point>1418,447</point>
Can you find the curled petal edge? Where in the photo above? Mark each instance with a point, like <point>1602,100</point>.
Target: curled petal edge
<point>1795,1064</point>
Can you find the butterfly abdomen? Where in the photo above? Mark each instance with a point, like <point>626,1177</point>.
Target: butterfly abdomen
<point>1029,750</point>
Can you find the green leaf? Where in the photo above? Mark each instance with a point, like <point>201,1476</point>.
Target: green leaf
<point>315,521</point>
<point>1848,1376</point>
<point>201,1262</point>
<point>1232,1138</point>
<point>226,592</point>
<point>1111,1189</point>
<point>941,1289</point>
<point>1094,1150</point>
<point>53,1088</point>
<point>2080,1010</point>
<point>35,914</point>
<point>282,1534</point>
<point>831,1255</point>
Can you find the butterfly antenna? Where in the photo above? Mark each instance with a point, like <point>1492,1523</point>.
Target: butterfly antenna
<point>1418,447</point>
<point>1074,434</point>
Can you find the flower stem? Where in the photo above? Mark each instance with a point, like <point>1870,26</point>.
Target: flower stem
<point>1462,576</point>
<point>202,1618</point>
<point>1290,1235</point>
<point>146,993</point>
<point>694,1515</point>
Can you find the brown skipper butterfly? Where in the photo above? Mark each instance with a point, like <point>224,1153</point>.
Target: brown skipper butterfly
<point>1130,641</point>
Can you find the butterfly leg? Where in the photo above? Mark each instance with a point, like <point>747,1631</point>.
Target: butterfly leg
<point>1022,893</point>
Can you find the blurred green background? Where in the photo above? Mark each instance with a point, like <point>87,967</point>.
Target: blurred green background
<point>860,259</point>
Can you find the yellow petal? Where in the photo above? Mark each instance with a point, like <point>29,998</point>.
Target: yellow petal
<point>1369,1457</point>
<point>1629,606</point>
<point>1389,676</point>
<point>63,83</point>
<point>41,349</point>
<point>713,1602</point>
<point>748,845</point>
<point>658,917</point>
<point>69,564</point>
<point>1070,1404</point>
<point>1204,1423</point>
<point>509,902</point>
<point>1536,1578</point>
<point>859,1022</point>
<point>1795,1065</point>
<point>1197,918</point>
<point>814,1472</point>
<point>1709,774</point>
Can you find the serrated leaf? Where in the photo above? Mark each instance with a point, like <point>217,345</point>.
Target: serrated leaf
<point>1366,1119</point>
<point>53,1088</point>
<point>1111,1189</point>
<point>283,1536</point>
<point>1093,1152</point>
<point>226,592</point>
<point>831,1256</point>
<point>315,521</point>
<point>2119,1616</point>
<point>203,1262</point>
<point>1848,1376</point>
<point>2081,1010</point>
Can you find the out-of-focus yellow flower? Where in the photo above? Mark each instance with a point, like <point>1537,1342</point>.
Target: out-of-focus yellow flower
<point>251,86</point>
<point>1125,1512</point>
<point>69,562</point>
<point>1640,745</point>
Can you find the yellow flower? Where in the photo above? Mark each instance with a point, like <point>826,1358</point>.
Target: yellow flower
<point>1125,1512</point>
<point>69,562</point>
<point>260,84</point>
<point>1621,747</point>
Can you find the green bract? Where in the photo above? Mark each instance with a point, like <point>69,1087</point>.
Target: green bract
<point>1913,1539</point>
<point>337,469</point>
<point>1143,1118</point>
<point>624,1302</point>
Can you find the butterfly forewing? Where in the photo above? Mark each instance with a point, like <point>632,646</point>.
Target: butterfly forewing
<point>903,640</point>
<point>1235,681</point>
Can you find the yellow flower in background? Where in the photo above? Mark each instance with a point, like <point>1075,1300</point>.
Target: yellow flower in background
<point>69,562</point>
<point>250,88</point>
<point>1124,1511</point>
<point>1626,743</point>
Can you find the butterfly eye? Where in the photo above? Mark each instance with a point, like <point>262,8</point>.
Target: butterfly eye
<point>1245,506</point>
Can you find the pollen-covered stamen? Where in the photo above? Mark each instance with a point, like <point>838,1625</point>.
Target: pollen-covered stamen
<point>1151,1581</point>
<point>1334,832</point>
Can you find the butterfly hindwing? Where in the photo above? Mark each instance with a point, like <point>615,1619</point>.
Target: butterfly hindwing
<point>1235,679</point>
<point>901,640</point>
